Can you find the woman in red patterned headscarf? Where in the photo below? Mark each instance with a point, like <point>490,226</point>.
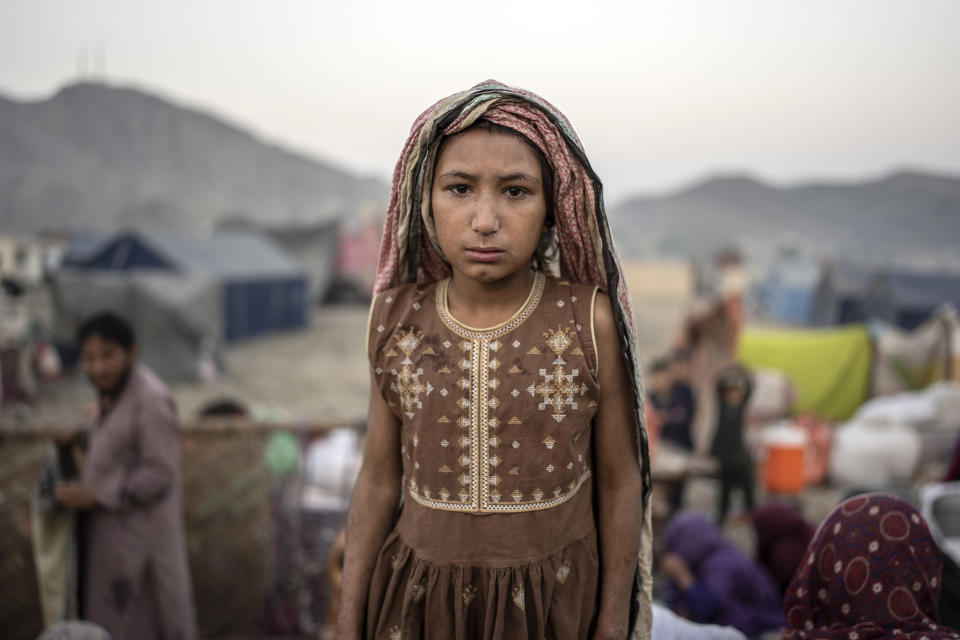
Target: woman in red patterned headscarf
<point>871,571</point>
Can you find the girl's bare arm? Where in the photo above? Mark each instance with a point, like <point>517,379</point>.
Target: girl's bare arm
<point>373,507</point>
<point>618,477</point>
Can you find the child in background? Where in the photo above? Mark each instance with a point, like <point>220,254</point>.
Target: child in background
<point>672,420</point>
<point>684,402</point>
<point>659,385</point>
<point>734,385</point>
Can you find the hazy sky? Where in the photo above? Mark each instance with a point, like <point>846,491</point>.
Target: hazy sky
<point>660,93</point>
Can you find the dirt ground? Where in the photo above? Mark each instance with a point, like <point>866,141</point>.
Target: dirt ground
<point>319,373</point>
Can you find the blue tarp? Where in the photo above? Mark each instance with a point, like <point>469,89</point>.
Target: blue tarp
<point>911,298</point>
<point>262,289</point>
<point>905,299</point>
<point>787,295</point>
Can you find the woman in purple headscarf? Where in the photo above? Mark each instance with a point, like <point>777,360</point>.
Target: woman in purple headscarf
<point>713,581</point>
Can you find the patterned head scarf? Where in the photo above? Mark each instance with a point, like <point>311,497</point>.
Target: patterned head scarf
<point>587,252</point>
<point>871,571</point>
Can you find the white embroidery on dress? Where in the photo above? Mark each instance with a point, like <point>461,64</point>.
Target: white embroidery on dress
<point>407,383</point>
<point>558,388</point>
<point>481,473</point>
<point>518,597</point>
<point>417,591</point>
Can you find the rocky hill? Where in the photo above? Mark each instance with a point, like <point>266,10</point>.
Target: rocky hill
<point>908,217</point>
<point>95,156</point>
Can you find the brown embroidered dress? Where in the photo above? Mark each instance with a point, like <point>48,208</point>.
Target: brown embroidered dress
<point>496,538</point>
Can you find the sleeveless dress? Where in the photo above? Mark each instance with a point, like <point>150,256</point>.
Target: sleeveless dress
<point>496,537</point>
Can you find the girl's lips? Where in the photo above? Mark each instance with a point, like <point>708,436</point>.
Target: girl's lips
<point>483,254</point>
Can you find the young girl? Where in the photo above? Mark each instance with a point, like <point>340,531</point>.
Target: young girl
<point>504,412</point>
<point>734,386</point>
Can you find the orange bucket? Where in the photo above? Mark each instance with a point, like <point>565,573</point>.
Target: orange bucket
<point>784,469</point>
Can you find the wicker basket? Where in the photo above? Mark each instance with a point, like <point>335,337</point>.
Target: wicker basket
<point>227,516</point>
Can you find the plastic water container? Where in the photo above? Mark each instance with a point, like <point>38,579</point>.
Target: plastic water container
<point>784,468</point>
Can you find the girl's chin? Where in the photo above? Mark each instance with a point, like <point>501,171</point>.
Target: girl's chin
<point>490,273</point>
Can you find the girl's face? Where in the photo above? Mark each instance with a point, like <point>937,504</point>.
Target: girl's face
<point>489,205</point>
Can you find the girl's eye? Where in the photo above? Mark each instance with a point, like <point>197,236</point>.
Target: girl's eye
<point>516,192</point>
<point>459,189</point>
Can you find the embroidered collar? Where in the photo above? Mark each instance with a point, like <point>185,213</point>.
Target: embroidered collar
<point>511,323</point>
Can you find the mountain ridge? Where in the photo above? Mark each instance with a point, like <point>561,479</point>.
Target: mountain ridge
<point>95,156</point>
<point>908,216</point>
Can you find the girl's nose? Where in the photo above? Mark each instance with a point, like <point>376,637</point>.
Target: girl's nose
<point>485,219</point>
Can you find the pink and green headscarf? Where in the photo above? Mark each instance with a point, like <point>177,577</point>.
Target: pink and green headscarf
<point>408,252</point>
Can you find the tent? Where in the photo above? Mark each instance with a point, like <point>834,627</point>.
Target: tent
<point>261,289</point>
<point>850,294</point>
<point>788,293</point>
<point>830,368</point>
<point>907,299</point>
<point>81,246</point>
<point>842,295</point>
<point>175,317</point>
<point>313,246</point>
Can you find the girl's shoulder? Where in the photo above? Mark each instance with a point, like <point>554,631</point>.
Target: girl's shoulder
<point>393,307</point>
<point>571,303</point>
<point>400,298</point>
<point>574,297</point>
<point>582,295</point>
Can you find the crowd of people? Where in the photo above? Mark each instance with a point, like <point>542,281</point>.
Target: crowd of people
<point>871,569</point>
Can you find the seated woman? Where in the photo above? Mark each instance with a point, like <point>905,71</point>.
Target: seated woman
<point>782,538</point>
<point>710,580</point>
<point>871,571</point>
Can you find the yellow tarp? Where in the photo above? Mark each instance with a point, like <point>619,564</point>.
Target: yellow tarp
<point>830,368</point>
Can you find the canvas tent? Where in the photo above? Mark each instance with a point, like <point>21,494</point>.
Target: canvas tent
<point>788,293</point>
<point>261,288</point>
<point>175,317</point>
<point>850,294</point>
<point>313,246</point>
<point>81,246</point>
<point>842,296</point>
<point>907,299</point>
<point>830,368</point>
<point>184,295</point>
